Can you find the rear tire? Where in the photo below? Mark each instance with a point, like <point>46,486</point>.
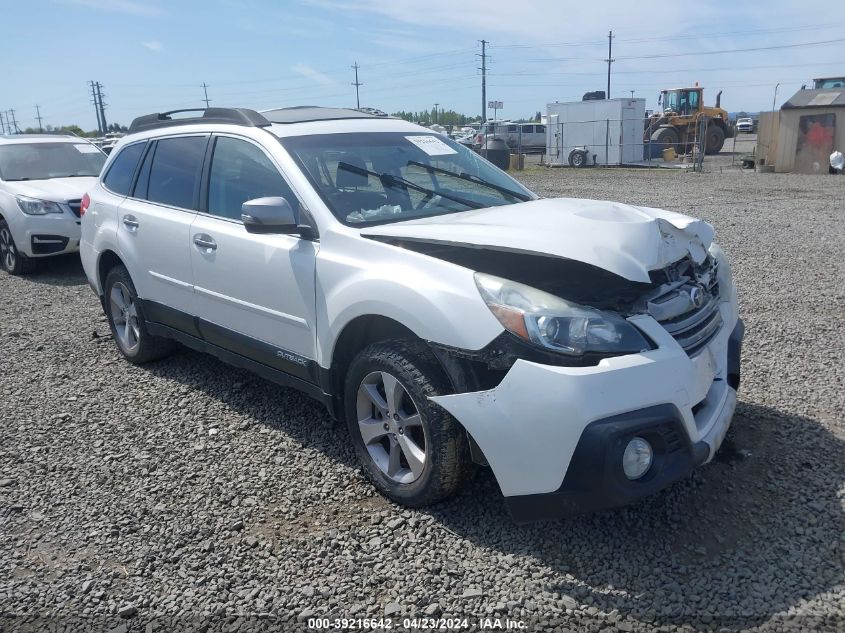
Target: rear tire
<point>126,320</point>
<point>415,453</point>
<point>11,259</point>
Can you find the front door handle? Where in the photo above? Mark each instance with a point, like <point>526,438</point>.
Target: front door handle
<point>205,241</point>
<point>130,222</point>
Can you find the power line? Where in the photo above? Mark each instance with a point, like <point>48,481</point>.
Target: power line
<point>670,71</point>
<point>697,53</point>
<point>205,91</point>
<point>673,38</point>
<point>357,84</point>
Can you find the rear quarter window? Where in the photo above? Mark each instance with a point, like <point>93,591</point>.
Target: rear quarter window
<point>118,179</point>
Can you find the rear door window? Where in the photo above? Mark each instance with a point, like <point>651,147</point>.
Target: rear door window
<point>119,177</point>
<point>175,171</point>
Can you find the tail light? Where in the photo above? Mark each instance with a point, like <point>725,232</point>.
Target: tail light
<point>83,207</point>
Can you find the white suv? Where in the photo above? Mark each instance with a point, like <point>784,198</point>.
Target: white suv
<point>42,179</point>
<point>587,351</point>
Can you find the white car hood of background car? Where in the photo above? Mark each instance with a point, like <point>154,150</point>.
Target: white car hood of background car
<point>623,239</point>
<point>53,189</point>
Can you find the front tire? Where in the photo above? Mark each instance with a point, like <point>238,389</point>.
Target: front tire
<point>665,137</point>
<point>11,259</point>
<point>412,450</point>
<point>127,322</point>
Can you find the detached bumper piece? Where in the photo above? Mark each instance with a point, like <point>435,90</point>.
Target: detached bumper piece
<point>48,244</point>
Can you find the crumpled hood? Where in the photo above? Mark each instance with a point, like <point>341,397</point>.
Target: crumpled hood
<point>623,239</point>
<point>53,189</point>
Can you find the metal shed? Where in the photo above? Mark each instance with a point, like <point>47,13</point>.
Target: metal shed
<point>811,125</point>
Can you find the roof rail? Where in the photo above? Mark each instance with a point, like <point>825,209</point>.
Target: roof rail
<point>237,116</point>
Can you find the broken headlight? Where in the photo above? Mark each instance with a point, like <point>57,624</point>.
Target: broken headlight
<point>556,324</point>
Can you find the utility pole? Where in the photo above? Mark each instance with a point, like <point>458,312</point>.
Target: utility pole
<point>38,116</point>
<point>609,59</point>
<point>484,44</point>
<point>436,113</point>
<point>357,84</point>
<point>96,107</point>
<point>2,124</point>
<point>14,127</point>
<point>205,90</point>
<point>632,94</point>
<point>102,108</point>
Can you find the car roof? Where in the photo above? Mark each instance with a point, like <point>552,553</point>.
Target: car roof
<point>281,122</point>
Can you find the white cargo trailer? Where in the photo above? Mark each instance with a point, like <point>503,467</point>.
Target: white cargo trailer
<point>606,132</point>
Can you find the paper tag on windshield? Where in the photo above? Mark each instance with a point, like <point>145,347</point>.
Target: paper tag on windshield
<point>431,145</point>
<point>85,148</point>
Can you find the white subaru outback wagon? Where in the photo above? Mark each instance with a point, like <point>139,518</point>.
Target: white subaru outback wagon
<point>588,352</point>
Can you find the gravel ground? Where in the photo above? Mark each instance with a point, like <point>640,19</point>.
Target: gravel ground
<point>186,494</point>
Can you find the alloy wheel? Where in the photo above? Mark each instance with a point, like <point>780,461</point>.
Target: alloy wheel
<point>124,315</point>
<point>8,253</point>
<point>391,427</point>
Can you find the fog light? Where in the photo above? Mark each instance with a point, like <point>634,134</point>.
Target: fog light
<point>637,458</point>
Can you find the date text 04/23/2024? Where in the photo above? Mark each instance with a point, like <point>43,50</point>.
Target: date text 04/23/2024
<point>416,624</point>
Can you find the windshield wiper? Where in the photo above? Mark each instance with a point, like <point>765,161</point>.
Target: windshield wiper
<point>475,179</point>
<point>391,180</point>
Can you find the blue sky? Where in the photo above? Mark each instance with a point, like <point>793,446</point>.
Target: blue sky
<point>153,55</point>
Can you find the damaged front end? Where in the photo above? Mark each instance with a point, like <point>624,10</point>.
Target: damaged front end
<point>620,328</point>
<point>683,297</point>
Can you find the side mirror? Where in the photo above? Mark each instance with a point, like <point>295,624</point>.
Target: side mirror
<point>269,215</point>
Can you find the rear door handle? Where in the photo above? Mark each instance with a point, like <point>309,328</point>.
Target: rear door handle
<point>205,241</point>
<point>130,222</point>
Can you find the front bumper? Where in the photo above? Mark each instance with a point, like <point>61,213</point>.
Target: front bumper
<point>42,235</point>
<point>553,436</point>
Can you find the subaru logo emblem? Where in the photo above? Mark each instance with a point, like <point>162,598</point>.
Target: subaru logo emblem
<point>697,295</point>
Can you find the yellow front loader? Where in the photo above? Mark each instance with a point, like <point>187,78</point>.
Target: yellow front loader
<point>685,120</point>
